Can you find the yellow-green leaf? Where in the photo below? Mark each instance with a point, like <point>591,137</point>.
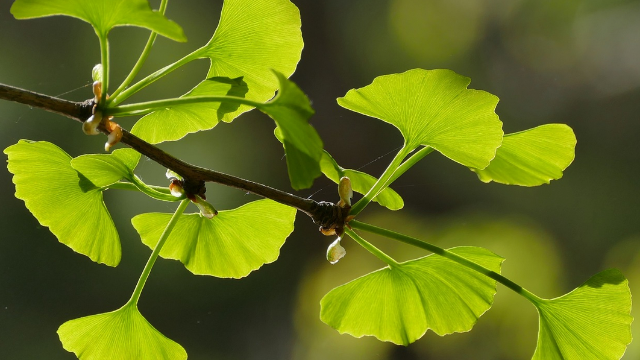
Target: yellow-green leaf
<point>532,157</point>
<point>103,15</point>
<point>123,334</point>
<point>230,245</point>
<point>434,108</point>
<point>400,304</point>
<point>64,200</point>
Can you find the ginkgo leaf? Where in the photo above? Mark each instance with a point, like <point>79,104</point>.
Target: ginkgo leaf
<point>591,322</point>
<point>434,108</point>
<point>120,334</point>
<point>252,39</point>
<point>532,157</point>
<point>174,123</point>
<point>230,245</point>
<point>291,109</point>
<point>103,15</point>
<point>106,169</point>
<point>400,304</point>
<point>360,182</point>
<point>64,200</point>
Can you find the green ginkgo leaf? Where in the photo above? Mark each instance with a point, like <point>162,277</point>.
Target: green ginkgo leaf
<point>532,157</point>
<point>434,108</point>
<point>64,200</point>
<point>103,15</point>
<point>360,182</point>
<point>106,169</point>
<point>400,304</point>
<point>118,335</point>
<point>174,123</point>
<point>291,110</point>
<point>230,245</point>
<point>591,322</point>
<point>252,39</point>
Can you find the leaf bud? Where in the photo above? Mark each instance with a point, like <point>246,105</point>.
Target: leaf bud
<point>171,175</point>
<point>335,252</point>
<point>345,192</point>
<point>90,127</point>
<point>115,134</point>
<point>96,73</point>
<point>97,91</point>
<point>176,188</point>
<point>206,209</point>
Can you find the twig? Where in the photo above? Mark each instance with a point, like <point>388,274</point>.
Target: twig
<point>325,214</point>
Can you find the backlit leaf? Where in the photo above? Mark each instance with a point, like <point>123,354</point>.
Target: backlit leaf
<point>106,169</point>
<point>231,245</point>
<point>174,123</point>
<point>64,200</point>
<point>532,157</point>
<point>291,110</point>
<point>103,15</point>
<point>434,108</point>
<point>400,304</point>
<point>360,182</point>
<point>121,334</point>
<point>252,39</point>
<point>591,322</point>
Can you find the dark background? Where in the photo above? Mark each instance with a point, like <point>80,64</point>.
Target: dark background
<point>574,62</point>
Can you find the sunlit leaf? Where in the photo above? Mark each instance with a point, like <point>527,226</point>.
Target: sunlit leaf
<point>64,200</point>
<point>591,322</point>
<point>434,108</point>
<point>106,169</point>
<point>360,182</point>
<point>231,245</point>
<point>400,304</point>
<point>291,109</point>
<point>174,123</point>
<point>252,39</point>
<point>532,157</point>
<point>121,334</point>
<point>103,15</point>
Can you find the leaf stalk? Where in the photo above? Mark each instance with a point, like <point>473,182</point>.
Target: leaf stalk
<point>447,254</point>
<point>156,251</point>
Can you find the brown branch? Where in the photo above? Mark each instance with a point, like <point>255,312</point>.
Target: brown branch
<point>325,214</point>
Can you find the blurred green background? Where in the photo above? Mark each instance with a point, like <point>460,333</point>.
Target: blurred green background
<point>575,62</point>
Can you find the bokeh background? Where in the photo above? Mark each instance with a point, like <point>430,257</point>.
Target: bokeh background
<point>572,61</point>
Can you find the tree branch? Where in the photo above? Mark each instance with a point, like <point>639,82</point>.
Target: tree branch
<point>325,214</point>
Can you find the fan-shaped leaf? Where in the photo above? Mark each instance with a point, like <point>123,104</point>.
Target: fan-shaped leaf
<point>230,245</point>
<point>103,15</point>
<point>106,169</point>
<point>400,304</point>
<point>591,322</point>
<point>434,108</point>
<point>252,38</point>
<point>174,123</point>
<point>290,109</point>
<point>120,334</point>
<point>532,157</point>
<point>360,182</point>
<point>64,200</point>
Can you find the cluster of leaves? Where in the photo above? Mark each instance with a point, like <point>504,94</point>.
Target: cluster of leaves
<point>255,48</point>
